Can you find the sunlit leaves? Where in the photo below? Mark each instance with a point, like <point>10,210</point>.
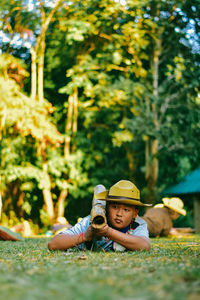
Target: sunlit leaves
<point>121,137</point>
<point>104,50</point>
<point>26,115</point>
<point>77,29</point>
<point>26,173</point>
<point>177,72</point>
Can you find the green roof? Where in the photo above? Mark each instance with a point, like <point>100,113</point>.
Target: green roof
<point>189,185</point>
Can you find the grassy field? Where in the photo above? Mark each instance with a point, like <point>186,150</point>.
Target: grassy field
<point>171,270</point>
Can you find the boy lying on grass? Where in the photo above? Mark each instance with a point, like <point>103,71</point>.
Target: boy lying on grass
<point>124,229</point>
<point>160,218</point>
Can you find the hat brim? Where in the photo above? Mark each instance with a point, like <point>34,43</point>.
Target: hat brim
<point>104,196</point>
<point>159,205</point>
<point>180,211</point>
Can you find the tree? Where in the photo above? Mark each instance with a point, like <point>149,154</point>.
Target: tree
<point>123,79</point>
<point>169,89</point>
<point>22,117</point>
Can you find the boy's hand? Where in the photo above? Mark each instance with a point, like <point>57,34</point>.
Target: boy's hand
<point>101,232</point>
<point>90,232</point>
<point>87,236</point>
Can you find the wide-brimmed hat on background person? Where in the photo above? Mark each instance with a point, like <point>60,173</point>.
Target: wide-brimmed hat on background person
<point>175,204</point>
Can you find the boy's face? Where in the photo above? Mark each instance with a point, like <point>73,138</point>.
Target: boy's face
<point>121,215</point>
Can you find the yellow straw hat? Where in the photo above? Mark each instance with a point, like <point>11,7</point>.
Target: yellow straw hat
<point>175,204</point>
<point>124,192</point>
<point>160,205</point>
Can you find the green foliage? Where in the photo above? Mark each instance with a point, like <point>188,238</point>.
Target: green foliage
<point>28,117</point>
<point>77,29</point>
<point>111,66</point>
<point>25,124</point>
<point>26,173</point>
<point>105,50</point>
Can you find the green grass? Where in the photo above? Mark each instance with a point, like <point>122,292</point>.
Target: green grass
<point>171,270</point>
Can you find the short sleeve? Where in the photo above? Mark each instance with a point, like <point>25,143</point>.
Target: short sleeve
<point>141,229</point>
<point>80,227</point>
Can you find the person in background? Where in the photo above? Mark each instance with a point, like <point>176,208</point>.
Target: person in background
<point>160,218</point>
<point>124,230</point>
<point>23,228</point>
<point>8,235</point>
<point>61,223</point>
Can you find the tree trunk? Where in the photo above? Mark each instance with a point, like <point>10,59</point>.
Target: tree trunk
<point>151,145</point>
<point>47,195</point>
<point>20,202</point>
<point>151,169</point>
<point>1,204</point>
<point>39,50</point>
<point>75,116</point>
<point>197,213</point>
<point>49,203</point>
<point>38,85</point>
<point>147,160</point>
<point>154,164</point>
<point>33,74</point>
<point>131,162</point>
<point>41,71</point>
<point>68,126</point>
<point>61,203</point>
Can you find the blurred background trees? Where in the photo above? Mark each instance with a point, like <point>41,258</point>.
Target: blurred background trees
<point>94,92</point>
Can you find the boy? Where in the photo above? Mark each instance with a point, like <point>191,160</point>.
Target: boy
<point>160,218</point>
<point>124,229</point>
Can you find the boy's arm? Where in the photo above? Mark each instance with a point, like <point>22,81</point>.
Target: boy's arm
<point>66,241</point>
<point>129,241</point>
